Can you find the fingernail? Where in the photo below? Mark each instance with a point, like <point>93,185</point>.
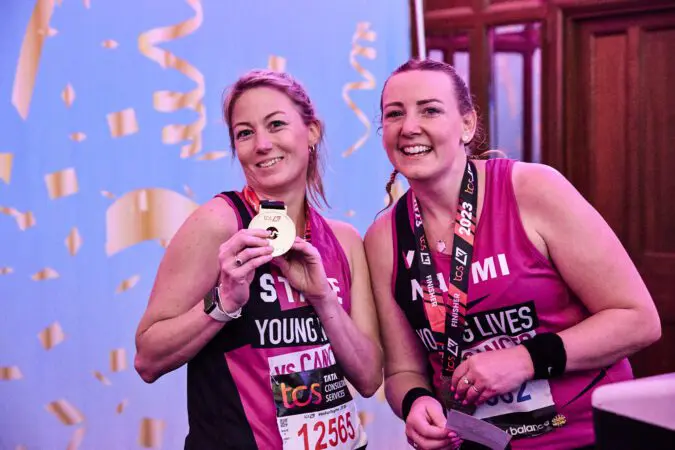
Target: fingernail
<point>452,389</point>
<point>464,403</point>
<point>456,396</point>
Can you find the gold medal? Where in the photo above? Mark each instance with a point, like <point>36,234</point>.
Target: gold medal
<point>273,218</point>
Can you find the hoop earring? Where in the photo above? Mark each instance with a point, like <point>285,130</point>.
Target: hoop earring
<point>312,148</point>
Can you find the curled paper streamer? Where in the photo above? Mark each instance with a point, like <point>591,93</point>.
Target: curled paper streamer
<point>122,123</point>
<point>127,284</point>
<point>366,417</point>
<point>29,56</point>
<point>151,432</point>
<point>121,406</point>
<point>6,270</point>
<point>363,32</point>
<point>68,95</point>
<point>6,167</point>
<point>45,274</point>
<point>211,156</point>
<point>78,136</point>
<point>146,214</point>
<point>65,412</point>
<point>169,101</point>
<point>61,183</point>
<point>118,360</point>
<point>51,336</point>
<point>109,44</point>
<point>276,63</point>
<point>100,377</point>
<point>23,220</point>
<point>73,242</point>
<point>10,373</point>
<point>76,439</point>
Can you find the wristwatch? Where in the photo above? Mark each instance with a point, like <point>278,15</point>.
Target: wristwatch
<point>213,309</point>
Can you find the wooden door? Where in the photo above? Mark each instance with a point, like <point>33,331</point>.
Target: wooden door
<point>618,145</point>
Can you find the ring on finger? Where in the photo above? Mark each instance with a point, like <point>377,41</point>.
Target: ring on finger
<point>466,380</point>
<point>237,260</point>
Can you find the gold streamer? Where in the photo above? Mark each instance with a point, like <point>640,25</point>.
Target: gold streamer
<point>6,270</point>
<point>108,194</point>
<point>121,406</point>
<point>100,377</point>
<point>29,57</point>
<point>168,101</point>
<point>211,156</point>
<point>76,440</point>
<point>68,95</point>
<point>87,3</point>
<point>78,136</point>
<point>62,183</point>
<point>122,123</point>
<point>45,274</point>
<point>146,214</point>
<point>23,220</point>
<point>118,360</point>
<point>276,63</point>
<point>65,412</point>
<point>127,284</point>
<point>10,373</point>
<point>51,336</point>
<point>150,435</point>
<point>366,417</point>
<point>6,167</point>
<point>363,32</point>
<point>109,44</point>
<point>73,242</point>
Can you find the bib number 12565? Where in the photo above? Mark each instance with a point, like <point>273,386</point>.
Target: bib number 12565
<point>328,433</point>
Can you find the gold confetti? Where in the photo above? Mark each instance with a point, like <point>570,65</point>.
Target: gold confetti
<point>87,3</point>
<point>350,213</point>
<point>122,123</point>
<point>6,270</point>
<point>109,44</point>
<point>23,220</point>
<point>78,136</point>
<point>121,406</point>
<point>10,373</point>
<point>380,394</point>
<point>68,95</point>
<point>108,194</point>
<point>366,417</point>
<point>29,56</point>
<point>50,32</point>
<point>276,63</point>
<point>146,214</point>
<point>127,284</point>
<point>188,191</point>
<point>51,336</point>
<point>151,433</point>
<point>65,412</point>
<point>73,242</point>
<point>167,101</point>
<point>76,440</point>
<point>211,156</point>
<point>45,274</point>
<point>6,167</point>
<point>118,360</point>
<point>100,377</point>
<point>363,32</point>
<point>164,242</point>
<point>62,183</point>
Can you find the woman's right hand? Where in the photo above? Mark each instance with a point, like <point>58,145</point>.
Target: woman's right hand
<point>239,257</point>
<point>425,426</point>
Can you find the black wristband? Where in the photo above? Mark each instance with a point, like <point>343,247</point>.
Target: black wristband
<point>410,397</point>
<point>548,355</point>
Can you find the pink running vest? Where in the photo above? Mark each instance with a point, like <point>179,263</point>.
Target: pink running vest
<point>514,293</point>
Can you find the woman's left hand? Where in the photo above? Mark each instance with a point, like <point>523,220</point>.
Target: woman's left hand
<point>303,268</point>
<point>487,374</point>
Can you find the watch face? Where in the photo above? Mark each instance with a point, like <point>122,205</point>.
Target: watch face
<point>209,303</point>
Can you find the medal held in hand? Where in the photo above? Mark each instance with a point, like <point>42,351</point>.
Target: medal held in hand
<point>273,218</point>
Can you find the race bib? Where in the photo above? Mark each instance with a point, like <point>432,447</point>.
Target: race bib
<point>315,410</point>
<point>527,411</point>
